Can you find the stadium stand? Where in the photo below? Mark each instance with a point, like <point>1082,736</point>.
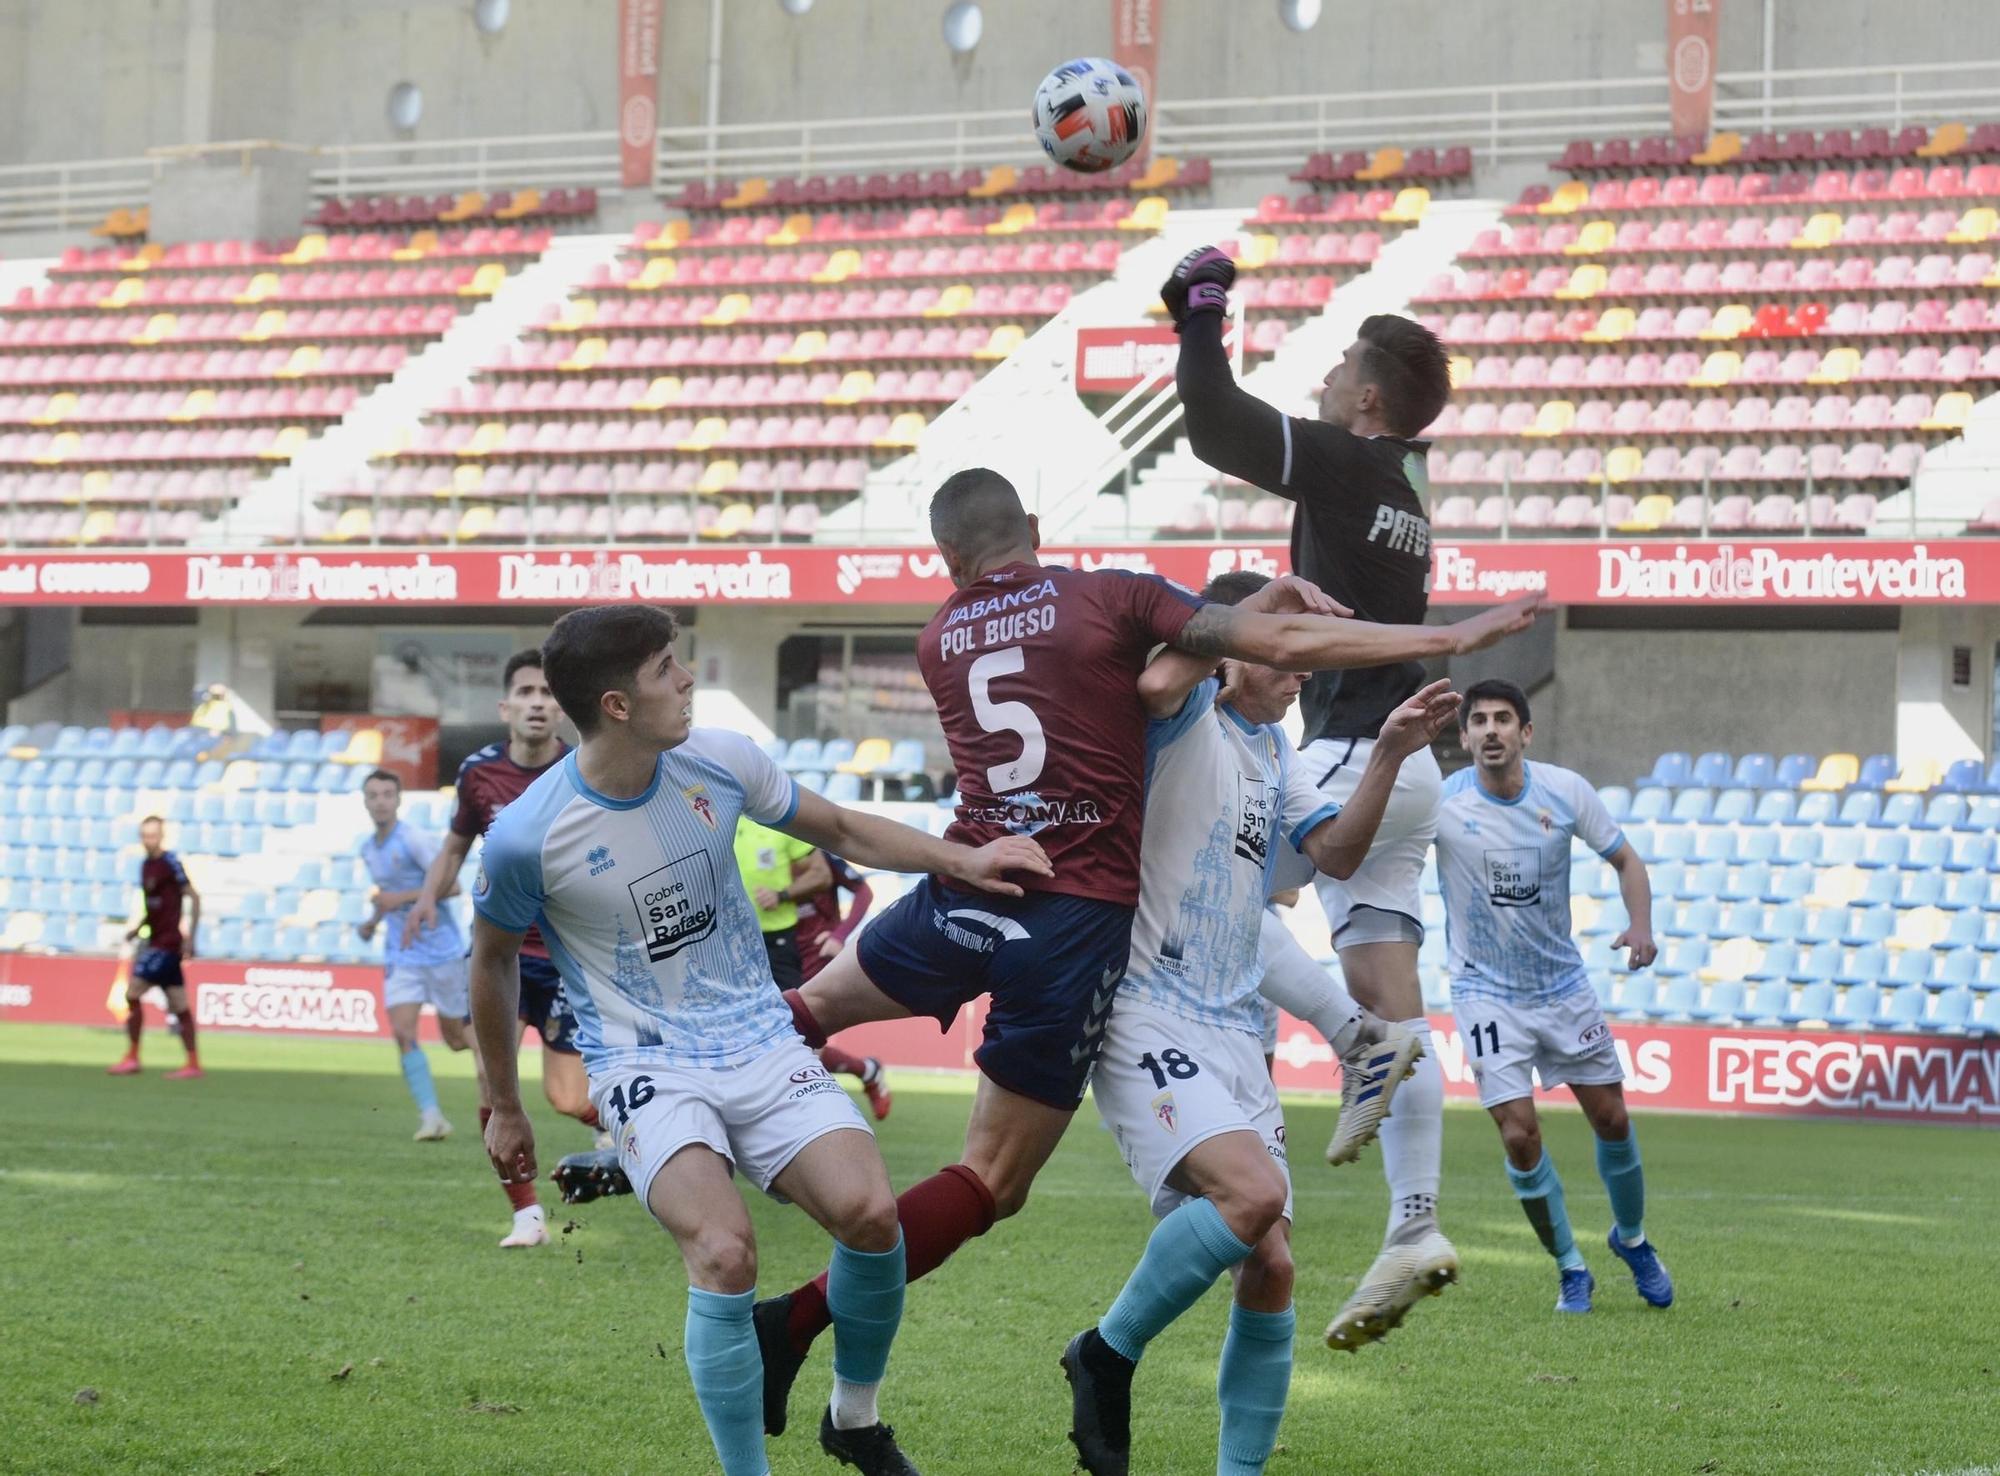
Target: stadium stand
<point>1160,174</point>
<point>1386,165</point>
<point>372,212</point>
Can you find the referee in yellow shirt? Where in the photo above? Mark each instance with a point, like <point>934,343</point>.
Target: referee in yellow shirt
<point>778,872</point>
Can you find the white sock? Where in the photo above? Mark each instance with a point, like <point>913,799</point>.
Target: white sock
<point>1412,1138</point>
<point>853,1405</point>
<point>1304,990</point>
<point>532,1215</point>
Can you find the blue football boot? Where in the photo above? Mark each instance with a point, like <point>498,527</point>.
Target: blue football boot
<point>1647,1273</point>
<point>1577,1286</point>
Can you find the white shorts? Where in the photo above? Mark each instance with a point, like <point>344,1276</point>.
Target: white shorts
<point>1165,1084</point>
<point>1391,879</point>
<point>1565,1042</point>
<point>444,986</point>
<point>758,1115</point>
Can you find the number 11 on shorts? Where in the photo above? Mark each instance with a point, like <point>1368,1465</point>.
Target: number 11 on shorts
<point>1492,1045</point>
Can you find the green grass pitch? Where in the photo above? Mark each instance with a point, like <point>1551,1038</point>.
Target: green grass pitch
<point>260,1272</point>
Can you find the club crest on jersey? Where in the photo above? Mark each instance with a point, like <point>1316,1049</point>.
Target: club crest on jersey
<point>1168,1114</point>
<point>480,886</point>
<point>1546,821</point>
<point>600,860</point>
<point>697,797</point>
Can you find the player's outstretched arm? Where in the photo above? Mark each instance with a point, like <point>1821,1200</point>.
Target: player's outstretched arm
<point>870,840</point>
<point>1635,887</point>
<point>1328,643</point>
<point>440,881</point>
<point>496,1003</point>
<point>1165,684</point>
<point>1339,844</point>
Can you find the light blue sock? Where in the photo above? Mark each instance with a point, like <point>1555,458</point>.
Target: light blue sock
<point>1541,1194</point>
<point>417,1077</point>
<point>864,1296</point>
<point>1187,1251</point>
<point>1625,1182</point>
<point>728,1378</point>
<point>1255,1376</point>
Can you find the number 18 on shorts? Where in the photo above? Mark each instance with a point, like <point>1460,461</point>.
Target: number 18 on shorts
<point>1564,1041</point>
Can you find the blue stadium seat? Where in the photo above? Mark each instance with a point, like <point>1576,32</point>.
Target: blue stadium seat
<point>208,772</point>
<point>90,773</point>
<point>209,807</point>
<point>1670,771</point>
<point>303,809</point>
<point>127,740</point>
<point>1794,769</point>
<point>1982,813</point>
<point>156,741</point>
<point>1858,807</point>
<point>1692,805</point>
<point>1679,1000</point>
<point>1876,770</point>
<point>1903,1009</point>
<point>1865,926</point>
<point>1857,1007</point>
<point>774,749</point>
<point>13,735</point>
<point>1778,962</point>
<point>152,774</point>
<point>1944,812</point>
<point>241,808</point>
<point>1635,993</point>
<point>311,873</point>
<point>802,755</point>
<point>1965,889</point>
<point>1673,844</point>
<point>1985,1015</point>
<point>304,744</point>
<point>1681,956</point>
<point>1617,801</point>
<point>1703,879</point>
<point>1867,964</point>
<point>835,752</point>
<point>1883,848</point>
<point>98,740</point>
<point>908,758</point>
<point>1969,851</point>
<point>223,938</point>
<point>69,740</point>
<point>1951,1010</point>
<point>1724,1002</point>
<point>1840,848</point>
<point>1748,884</point>
<point>1753,771</point>
<point>1963,929</point>
<point>1732,807</point>
<point>1602,880</point>
<point>1775,809</point>
<point>1814,1002</point>
<point>261,940</point>
<point>812,779</point>
<point>1696,920</point>
<point>1759,844</point>
<point>1919,888</point>
<point>1900,811</point>
<point>1640,838</point>
<point>1769,1001</point>
<point>331,743</point>
<point>1740,919</point>
<point>1715,845</point>
<point>62,772</point>
<point>1816,809</point>
<point>1712,770</point>
<point>1965,776</point>
<point>843,789</point>
<point>255,907</point>
<point>1784,921</point>
<point>1652,804</point>
<point>292,941</point>
<point>352,908</point>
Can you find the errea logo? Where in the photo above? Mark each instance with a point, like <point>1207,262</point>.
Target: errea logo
<point>599,858</point>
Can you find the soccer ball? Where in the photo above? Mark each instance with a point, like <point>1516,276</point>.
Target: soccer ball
<point>1090,115</point>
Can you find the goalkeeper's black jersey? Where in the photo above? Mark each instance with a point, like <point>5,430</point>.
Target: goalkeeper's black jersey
<point>1360,532</point>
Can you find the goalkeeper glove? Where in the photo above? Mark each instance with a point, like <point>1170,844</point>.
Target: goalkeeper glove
<point>1200,284</point>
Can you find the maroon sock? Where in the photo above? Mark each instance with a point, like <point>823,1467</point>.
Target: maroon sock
<point>135,1023</point>
<point>186,1021</point>
<point>521,1196</point>
<point>939,1214</point>
<point>803,1021</point>
<point>588,1117</point>
<point>842,1063</point>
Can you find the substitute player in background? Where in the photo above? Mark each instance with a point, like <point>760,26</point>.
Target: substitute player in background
<point>623,852</point>
<point>1357,476</point>
<point>419,969</point>
<point>1034,670</point>
<point>1519,987</point>
<point>822,932</point>
<point>488,781</point>
<point>1183,1082</point>
<point>164,883</point>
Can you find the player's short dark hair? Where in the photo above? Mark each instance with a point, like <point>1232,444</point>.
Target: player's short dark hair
<point>1234,587</point>
<point>519,662</point>
<point>158,820</point>
<point>597,650</point>
<point>1493,690</point>
<point>977,512</point>
<point>389,774</point>
<point>1407,364</point>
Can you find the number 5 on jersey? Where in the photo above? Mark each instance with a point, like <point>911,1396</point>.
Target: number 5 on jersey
<point>1007,717</point>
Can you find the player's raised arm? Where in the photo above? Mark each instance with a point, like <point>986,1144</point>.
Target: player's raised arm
<point>1164,686</point>
<point>1339,844</point>
<point>1228,427</point>
<point>870,840</point>
<point>1328,643</point>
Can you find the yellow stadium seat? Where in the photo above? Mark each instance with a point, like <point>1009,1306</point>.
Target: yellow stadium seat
<point>97,526</point>
<point>198,404</point>
<point>1951,413</point>
<point>1613,325</point>
<point>354,525</point>
<point>577,313</point>
<point>467,480</point>
<point>1020,216</point>
<point>1719,368</point>
<point>954,300</point>
<point>1919,776</point>
<point>856,384</point>
<point>1980,223</point>
<point>1837,886</point>
<point>304,360</point>
<point>96,487</point>
<point>843,264</point>
<point>311,248</point>
<point>1459,367</point>
<point>665,390</point>
<point>159,328</point>
<point>588,354</point>
<point>903,431</point>
<point>1159,173</point>
<point>60,407</point>
<point>1622,464</point>
<point>1387,164</point>
<point>749,193</point>
<point>1570,197</point>
<point>1920,927</point>
<point>467,205</point>
<point>1947,140</point>
<point>286,444</point>
<point>793,229</point>
<point>1730,321</point>
<point>1411,203</point>
<point>261,286</point>
<point>524,203</point>
<point>24,929</point>
<point>1721,149</point>
<point>421,244</point>
<point>144,259</point>
<point>655,274</point>
<point>1554,418</point>
<point>364,746</point>
<point>1585,281</point>
<point>1584,913</point>
<point>873,754</point>
<point>733,521</point>
<point>719,476</point>
<point>669,236</point>
<point>999,180</point>
<point>486,281</point>
<point>270,323</point>
<point>1649,514</point>
<point>128,291</point>
<point>808,346</point>
<point>476,523</point>
<point>1593,240</point>
<point>1006,338</point>
<point>732,307</point>
<point>706,432</point>
<point>1836,772</point>
<point>1838,367</point>
<point>1150,214</point>
<point>1733,959</point>
<point>317,906</point>
<point>64,445</point>
<point>1820,232</point>
<point>241,774</point>
<point>488,438</point>
<point>1257,251</point>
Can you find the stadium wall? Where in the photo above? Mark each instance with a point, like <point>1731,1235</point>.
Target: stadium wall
<point>115,77</point>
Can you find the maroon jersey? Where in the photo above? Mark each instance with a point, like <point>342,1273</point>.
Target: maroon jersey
<point>489,781</point>
<point>165,884</point>
<point>1034,671</point>
<point>819,914</point>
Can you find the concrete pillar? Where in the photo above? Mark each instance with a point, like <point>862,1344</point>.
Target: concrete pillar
<point>735,658</point>
<point>1939,716</point>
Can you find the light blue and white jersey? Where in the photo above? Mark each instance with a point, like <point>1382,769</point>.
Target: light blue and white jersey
<point>398,864</point>
<point>641,904</point>
<point>1223,797</point>
<point>1503,866</point>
